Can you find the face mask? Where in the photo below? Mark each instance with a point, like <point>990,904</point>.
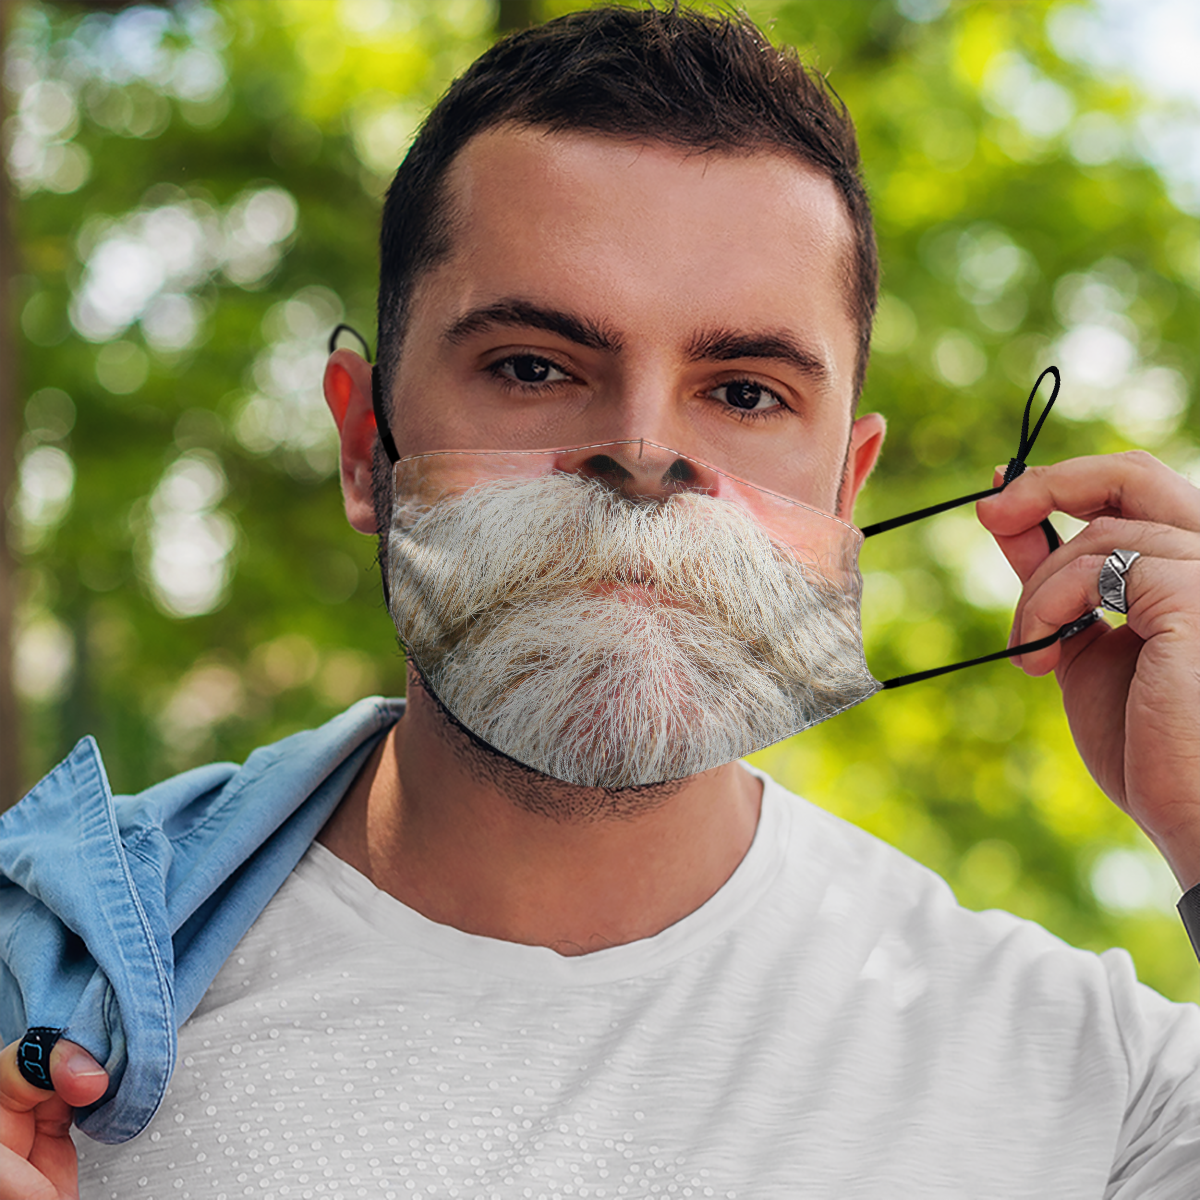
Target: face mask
<point>622,614</point>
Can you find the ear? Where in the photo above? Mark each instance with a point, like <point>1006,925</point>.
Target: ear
<point>866,441</point>
<point>348,394</point>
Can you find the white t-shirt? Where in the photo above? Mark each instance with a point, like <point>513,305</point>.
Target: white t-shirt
<point>830,1024</point>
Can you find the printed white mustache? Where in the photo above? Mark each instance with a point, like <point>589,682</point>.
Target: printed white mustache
<point>613,643</point>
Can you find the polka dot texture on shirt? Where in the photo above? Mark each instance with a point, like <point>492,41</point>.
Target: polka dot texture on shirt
<point>831,1024</point>
<point>300,1087</point>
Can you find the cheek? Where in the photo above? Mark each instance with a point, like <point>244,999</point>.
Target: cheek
<point>821,464</point>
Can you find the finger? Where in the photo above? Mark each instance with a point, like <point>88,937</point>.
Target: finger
<point>1103,534</point>
<point>1133,484</point>
<point>1106,534</point>
<point>1073,590</point>
<point>37,1156</point>
<point>1026,550</point>
<point>21,1180</point>
<point>1163,597</point>
<point>78,1079</point>
<point>17,1094</point>
<point>54,1156</point>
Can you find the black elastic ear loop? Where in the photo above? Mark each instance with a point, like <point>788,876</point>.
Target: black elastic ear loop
<point>1016,467</point>
<point>1061,634</point>
<point>343,327</point>
<point>381,422</point>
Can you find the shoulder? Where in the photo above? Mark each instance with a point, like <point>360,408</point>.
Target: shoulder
<point>286,770</point>
<point>887,907</point>
<point>855,917</point>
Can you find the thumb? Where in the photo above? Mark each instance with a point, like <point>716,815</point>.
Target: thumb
<point>78,1078</point>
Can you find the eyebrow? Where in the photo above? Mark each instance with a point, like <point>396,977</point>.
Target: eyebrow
<point>722,345</point>
<point>532,316</point>
<point>717,345</point>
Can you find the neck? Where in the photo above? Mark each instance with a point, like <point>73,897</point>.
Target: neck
<point>473,840</point>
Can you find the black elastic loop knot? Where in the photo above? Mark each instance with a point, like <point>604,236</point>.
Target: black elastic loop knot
<point>1016,466</point>
<point>1027,438</point>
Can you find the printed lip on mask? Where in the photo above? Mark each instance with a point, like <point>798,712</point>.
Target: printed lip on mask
<point>616,641</point>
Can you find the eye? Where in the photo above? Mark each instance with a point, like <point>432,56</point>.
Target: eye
<point>529,369</point>
<point>747,396</point>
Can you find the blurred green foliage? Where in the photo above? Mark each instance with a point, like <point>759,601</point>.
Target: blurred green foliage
<point>199,190</point>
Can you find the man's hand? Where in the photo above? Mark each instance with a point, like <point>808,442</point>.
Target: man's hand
<point>37,1156</point>
<point>1132,694</point>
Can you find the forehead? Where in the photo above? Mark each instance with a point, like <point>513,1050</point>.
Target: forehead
<point>648,227</point>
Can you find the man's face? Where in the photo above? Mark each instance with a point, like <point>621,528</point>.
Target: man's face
<point>600,290</point>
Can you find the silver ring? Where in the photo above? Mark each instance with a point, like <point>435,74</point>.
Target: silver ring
<point>1112,580</point>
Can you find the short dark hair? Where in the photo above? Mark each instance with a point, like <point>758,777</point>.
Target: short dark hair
<point>701,82</point>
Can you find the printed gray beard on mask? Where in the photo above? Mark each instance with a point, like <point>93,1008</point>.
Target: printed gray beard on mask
<point>614,643</point>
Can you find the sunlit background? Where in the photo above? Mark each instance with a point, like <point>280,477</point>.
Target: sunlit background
<point>194,202</point>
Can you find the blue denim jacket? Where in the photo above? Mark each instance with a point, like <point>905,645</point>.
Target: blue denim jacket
<point>116,913</point>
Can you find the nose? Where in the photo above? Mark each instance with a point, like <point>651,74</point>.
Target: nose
<point>640,470</point>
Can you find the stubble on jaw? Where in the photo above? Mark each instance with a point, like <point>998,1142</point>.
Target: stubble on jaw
<point>530,790</point>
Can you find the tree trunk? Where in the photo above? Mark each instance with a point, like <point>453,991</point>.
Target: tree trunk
<point>10,742</point>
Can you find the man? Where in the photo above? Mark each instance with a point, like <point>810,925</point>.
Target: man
<point>625,232</point>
